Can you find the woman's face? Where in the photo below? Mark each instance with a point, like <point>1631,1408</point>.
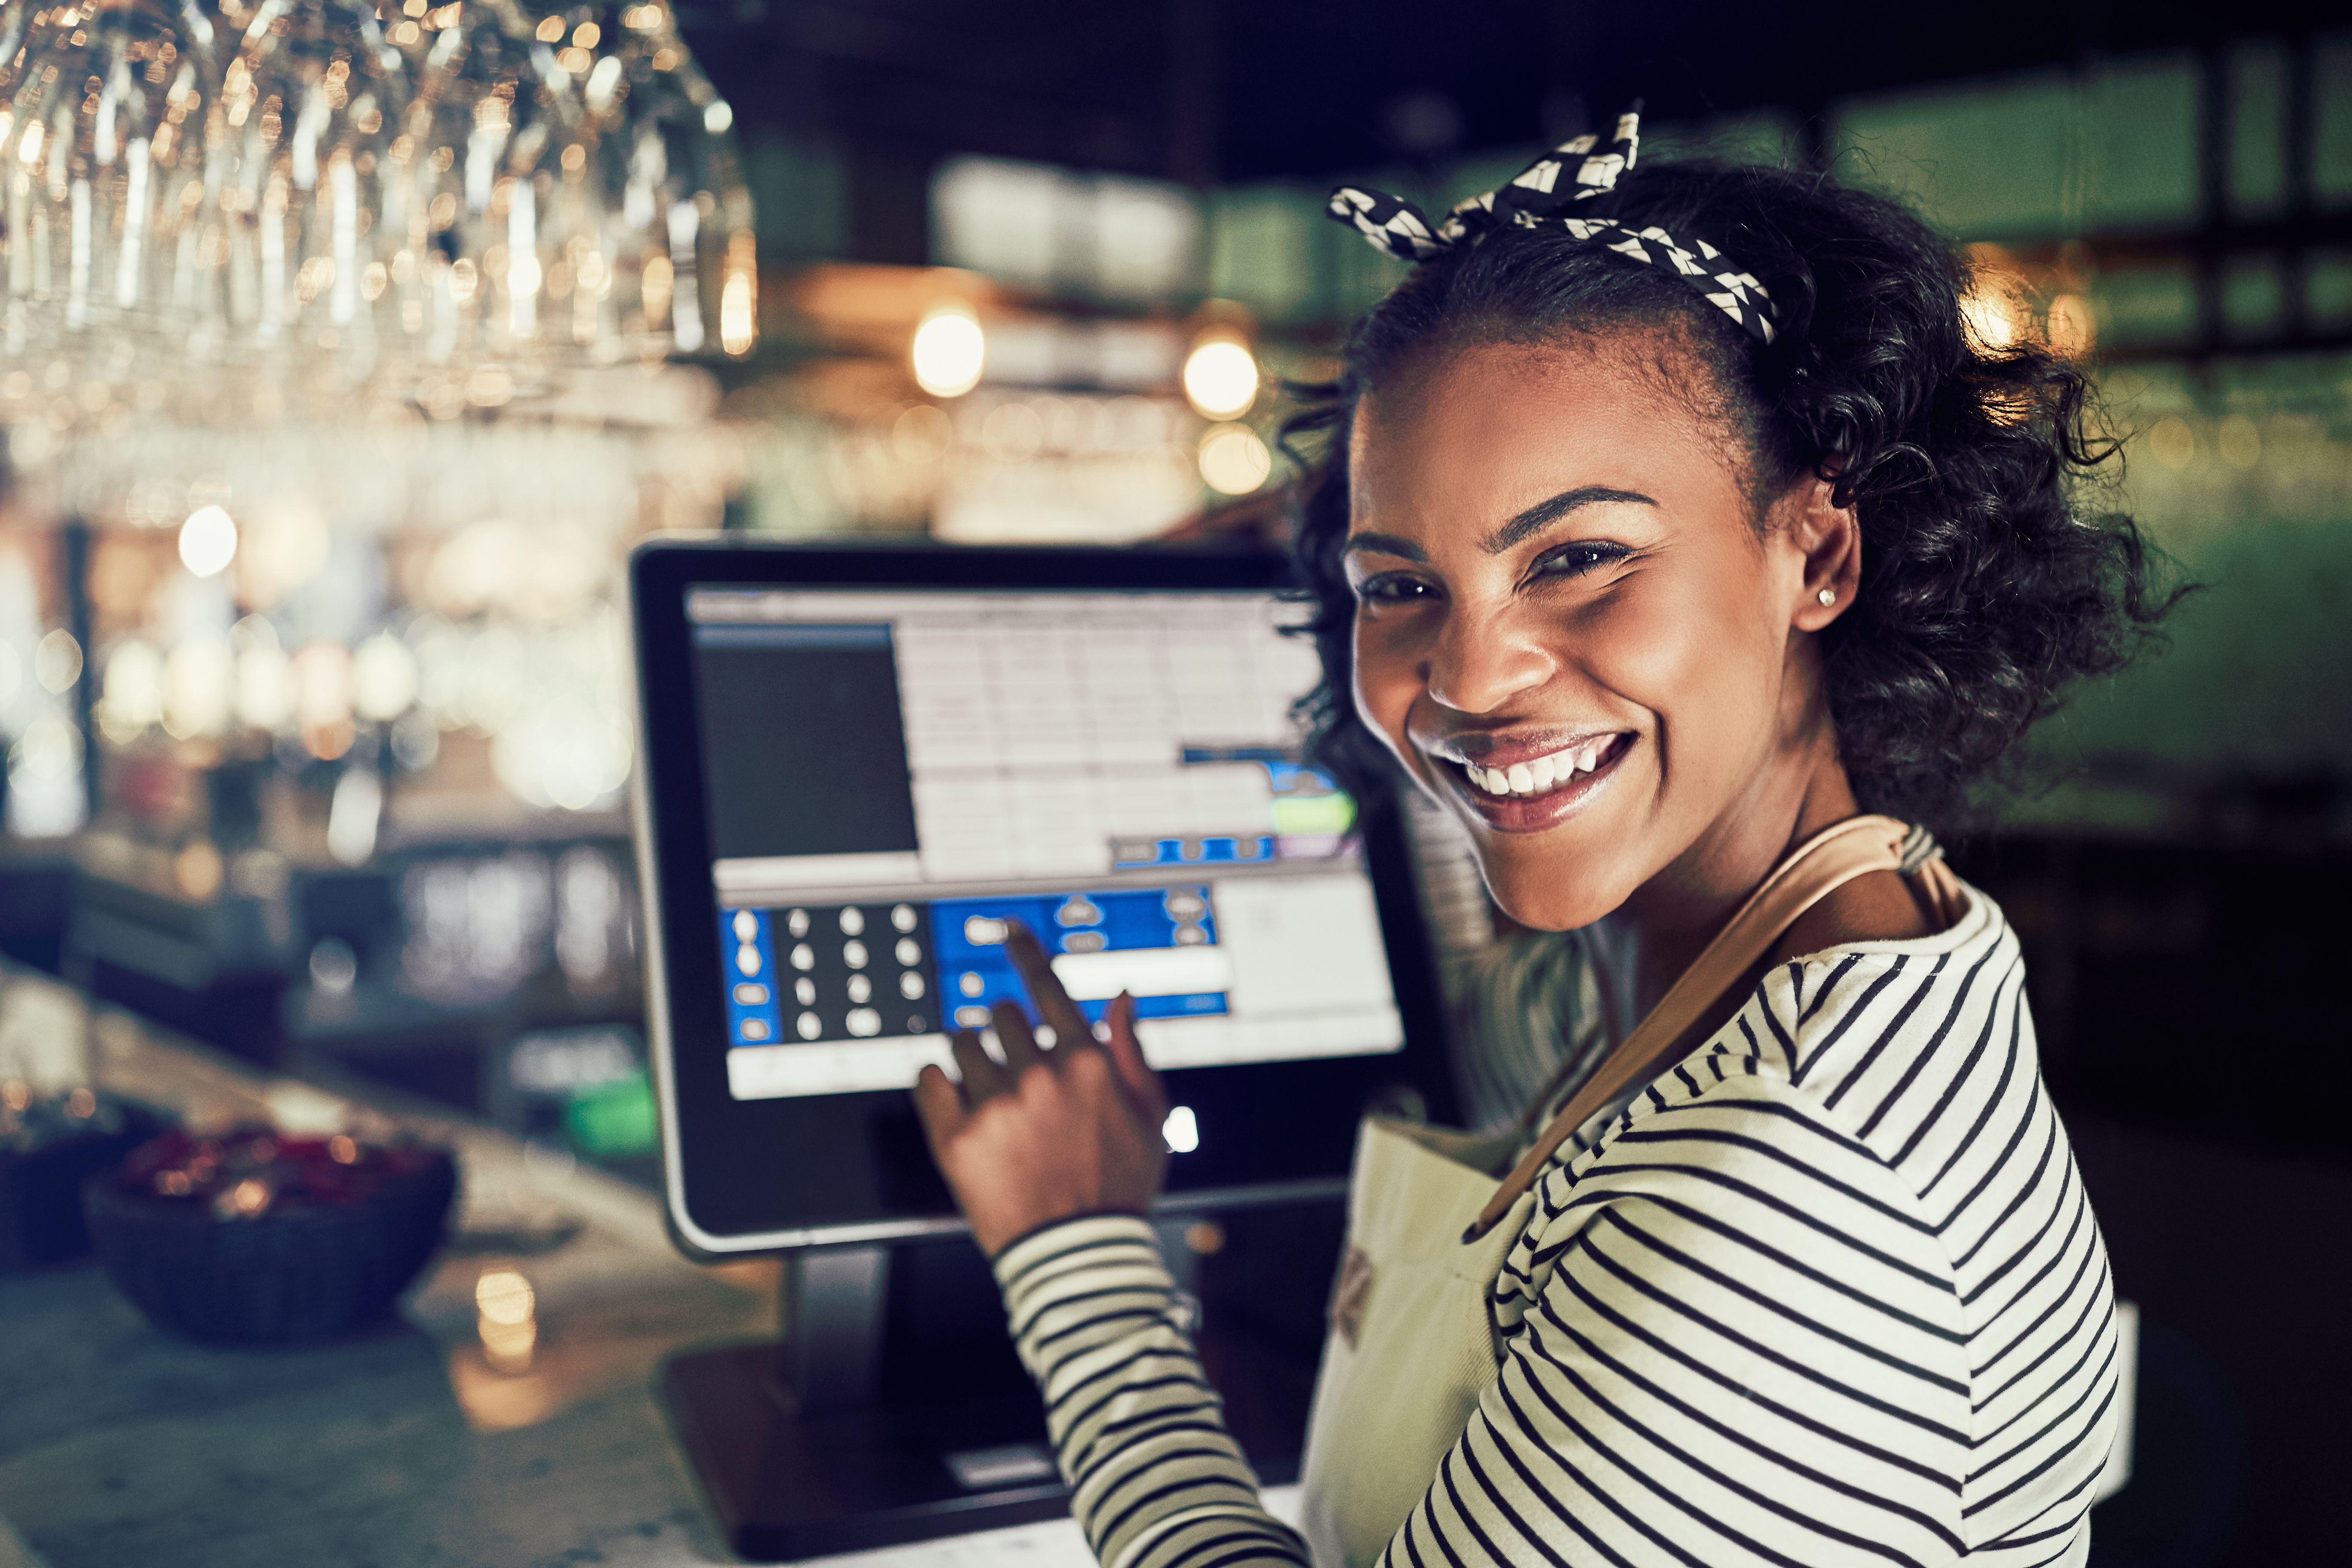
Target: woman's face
<point>1570,626</point>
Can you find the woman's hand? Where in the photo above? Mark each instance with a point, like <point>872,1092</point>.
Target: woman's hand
<point>1050,1134</point>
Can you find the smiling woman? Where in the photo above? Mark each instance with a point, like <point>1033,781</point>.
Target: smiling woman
<point>1625,626</point>
<point>1986,584</point>
<point>1669,528</point>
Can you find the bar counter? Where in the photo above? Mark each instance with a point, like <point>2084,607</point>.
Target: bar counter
<point>403,1446</point>
<point>120,1443</point>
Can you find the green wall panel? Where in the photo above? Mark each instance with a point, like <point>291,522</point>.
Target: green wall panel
<point>2140,146</point>
<point>1987,162</point>
<point>2258,130</point>
<point>2331,101</point>
<point>1262,250</point>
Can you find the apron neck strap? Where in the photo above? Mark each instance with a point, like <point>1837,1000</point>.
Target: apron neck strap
<point>1817,867</point>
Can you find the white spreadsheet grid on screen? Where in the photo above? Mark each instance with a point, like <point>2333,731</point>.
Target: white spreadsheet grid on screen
<point>1042,729</point>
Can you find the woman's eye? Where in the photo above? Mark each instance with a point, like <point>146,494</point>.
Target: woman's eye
<point>1576,560</point>
<point>1393,588</point>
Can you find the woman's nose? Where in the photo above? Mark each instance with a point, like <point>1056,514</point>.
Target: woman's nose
<point>1481,662</point>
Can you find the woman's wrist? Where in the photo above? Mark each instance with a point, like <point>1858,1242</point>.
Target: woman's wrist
<point>1071,1244</point>
<point>1007,1249</point>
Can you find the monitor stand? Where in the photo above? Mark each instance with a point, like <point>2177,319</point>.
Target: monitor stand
<point>894,1409</point>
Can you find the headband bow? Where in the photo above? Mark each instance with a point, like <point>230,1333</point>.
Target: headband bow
<point>1537,197</point>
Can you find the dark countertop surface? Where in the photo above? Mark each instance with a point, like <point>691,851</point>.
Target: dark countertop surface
<point>121,1445</point>
<point>403,1447</point>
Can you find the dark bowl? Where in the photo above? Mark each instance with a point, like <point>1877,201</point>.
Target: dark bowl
<point>301,1273</point>
<point>40,1182</point>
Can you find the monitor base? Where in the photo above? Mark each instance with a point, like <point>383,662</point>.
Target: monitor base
<point>788,1484</point>
<point>894,1410</point>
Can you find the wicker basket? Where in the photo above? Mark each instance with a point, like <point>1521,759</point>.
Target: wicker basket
<point>301,1273</point>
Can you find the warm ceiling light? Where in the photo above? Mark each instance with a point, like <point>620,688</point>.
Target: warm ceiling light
<point>504,1296</point>
<point>1220,377</point>
<point>739,291</point>
<point>384,679</point>
<point>949,351</point>
<point>1989,311</point>
<point>2074,326</point>
<point>207,542</point>
<point>1233,461</point>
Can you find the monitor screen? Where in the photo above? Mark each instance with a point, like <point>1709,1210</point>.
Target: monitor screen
<point>861,763</point>
<point>892,776</point>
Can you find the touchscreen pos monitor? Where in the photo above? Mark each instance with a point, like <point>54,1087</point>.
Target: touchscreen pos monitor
<point>860,765</point>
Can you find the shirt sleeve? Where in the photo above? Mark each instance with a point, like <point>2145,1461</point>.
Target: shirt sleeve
<point>1729,1339</point>
<point>1140,1435</point>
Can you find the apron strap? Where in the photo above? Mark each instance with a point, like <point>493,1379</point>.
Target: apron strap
<point>1818,867</point>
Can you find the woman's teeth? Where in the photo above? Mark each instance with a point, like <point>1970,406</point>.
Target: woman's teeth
<point>1543,773</point>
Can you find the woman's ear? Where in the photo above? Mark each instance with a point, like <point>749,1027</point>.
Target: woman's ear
<point>1828,538</point>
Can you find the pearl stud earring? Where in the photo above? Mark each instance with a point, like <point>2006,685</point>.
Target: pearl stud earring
<point>1828,596</point>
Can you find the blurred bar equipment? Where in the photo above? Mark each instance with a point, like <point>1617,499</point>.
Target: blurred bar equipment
<point>350,345</point>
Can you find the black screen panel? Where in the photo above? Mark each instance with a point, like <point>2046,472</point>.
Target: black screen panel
<point>771,698</point>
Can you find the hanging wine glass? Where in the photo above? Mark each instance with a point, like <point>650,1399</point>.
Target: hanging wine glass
<point>683,175</point>
<point>99,101</point>
<point>189,200</point>
<point>306,206</point>
<point>274,255</point>
<point>573,198</point>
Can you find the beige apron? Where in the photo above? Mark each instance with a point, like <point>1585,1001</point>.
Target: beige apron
<point>1413,1344</point>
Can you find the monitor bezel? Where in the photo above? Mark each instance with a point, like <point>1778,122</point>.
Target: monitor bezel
<point>703,1129</point>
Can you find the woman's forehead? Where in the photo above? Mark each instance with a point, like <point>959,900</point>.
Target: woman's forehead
<point>1473,428</point>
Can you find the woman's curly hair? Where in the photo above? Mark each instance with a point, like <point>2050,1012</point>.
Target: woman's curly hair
<point>1986,588</point>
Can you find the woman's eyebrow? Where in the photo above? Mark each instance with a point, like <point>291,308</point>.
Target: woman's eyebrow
<point>1386,544</point>
<point>1544,513</point>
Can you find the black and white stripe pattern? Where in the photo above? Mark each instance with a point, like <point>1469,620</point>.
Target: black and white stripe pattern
<point>1536,198</point>
<point>1827,1292</point>
<point>1736,293</point>
<point>1535,194</point>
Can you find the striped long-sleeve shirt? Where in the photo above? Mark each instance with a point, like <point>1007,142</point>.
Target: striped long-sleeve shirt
<point>1827,1292</point>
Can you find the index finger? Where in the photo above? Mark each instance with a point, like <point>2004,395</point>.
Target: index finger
<point>1054,1004</point>
<point>938,1105</point>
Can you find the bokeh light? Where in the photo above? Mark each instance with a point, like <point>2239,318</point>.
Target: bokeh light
<point>1233,461</point>
<point>384,679</point>
<point>265,687</point>
<point>207,542</point>
<point>1991,313</point>
<point>199,688</point>
<point>507,1313</point>
<point>57,661</point>
<point>1220,377</point>
<point>354,815</point>
<point>950,351</point>
<point>130,695</point>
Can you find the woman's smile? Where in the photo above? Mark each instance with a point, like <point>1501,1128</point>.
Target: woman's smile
<point>1526,783</point>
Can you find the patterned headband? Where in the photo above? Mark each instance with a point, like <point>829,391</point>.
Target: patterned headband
<point>1535,197</point>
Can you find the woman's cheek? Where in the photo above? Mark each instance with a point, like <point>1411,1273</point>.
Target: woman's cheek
<point>1652,638</point>
<point>1375,681</point>
<point>1688,653</point>
<point>1386,682</point>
